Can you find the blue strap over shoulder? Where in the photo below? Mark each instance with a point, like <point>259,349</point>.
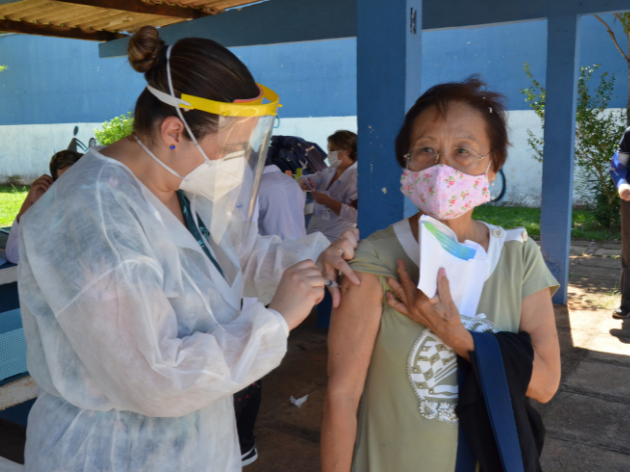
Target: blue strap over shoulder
<point>466,461</point>
<point>497,396</point>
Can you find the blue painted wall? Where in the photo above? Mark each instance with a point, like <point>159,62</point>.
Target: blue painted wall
<point>53,80</point>
<point>63,81</point>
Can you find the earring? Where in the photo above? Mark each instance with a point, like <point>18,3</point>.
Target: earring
<point>172,146</point>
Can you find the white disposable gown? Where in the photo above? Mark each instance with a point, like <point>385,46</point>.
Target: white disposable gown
<point>345,191</point>
<point>134,338</point>
<point>281,205</point>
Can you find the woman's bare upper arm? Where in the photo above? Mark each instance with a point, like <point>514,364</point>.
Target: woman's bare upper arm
<point>353,329</point>
<point>537,318</point>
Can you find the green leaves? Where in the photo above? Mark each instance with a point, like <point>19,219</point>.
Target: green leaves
<point>118,128</point>
<point>3,68</point>
<point>535,96</point>
<point>598,131</point>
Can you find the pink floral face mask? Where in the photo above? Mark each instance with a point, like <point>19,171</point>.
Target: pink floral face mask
<point>443,192</point>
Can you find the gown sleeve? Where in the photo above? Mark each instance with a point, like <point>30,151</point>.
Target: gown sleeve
<point>13,248</point>
<point>265,258</point>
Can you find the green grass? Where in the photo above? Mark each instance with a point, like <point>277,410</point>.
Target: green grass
<point>584,225</point>
<point>11,199</point>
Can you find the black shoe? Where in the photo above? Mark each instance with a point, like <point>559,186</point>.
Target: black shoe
<point>621,313</point>
<point>250,457</point>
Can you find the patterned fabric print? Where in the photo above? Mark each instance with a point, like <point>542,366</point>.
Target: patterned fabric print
<point>432,369</point>
<point>198,233</point>
<point>443,192</point>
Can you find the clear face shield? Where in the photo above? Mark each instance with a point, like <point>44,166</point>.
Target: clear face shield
<point>229,177</point>
<point>242,146</point>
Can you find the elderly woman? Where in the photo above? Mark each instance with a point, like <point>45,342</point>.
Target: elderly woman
<point>386,332</point>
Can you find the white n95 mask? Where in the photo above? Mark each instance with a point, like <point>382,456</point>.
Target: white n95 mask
<point>211,179</point>
<point>215,179</point>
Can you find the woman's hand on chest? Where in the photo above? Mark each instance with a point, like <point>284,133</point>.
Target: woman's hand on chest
<point>439,314</point>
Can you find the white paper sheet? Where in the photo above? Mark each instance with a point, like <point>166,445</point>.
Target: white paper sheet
<point>299,402</point>
<point>466,265</point>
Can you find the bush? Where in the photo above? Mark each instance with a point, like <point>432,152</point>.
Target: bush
<point>114,130</point>
<point>598,131</point>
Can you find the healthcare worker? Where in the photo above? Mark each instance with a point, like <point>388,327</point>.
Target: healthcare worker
<point>334,189</point>
<point>131,297</point>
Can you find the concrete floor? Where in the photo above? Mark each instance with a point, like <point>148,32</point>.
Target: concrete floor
<point>588,421</point>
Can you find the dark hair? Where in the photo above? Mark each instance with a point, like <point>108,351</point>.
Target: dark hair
<point>61,160</point>
<point>472,92</point>
<point>345,141</point>
<point>199,67</point>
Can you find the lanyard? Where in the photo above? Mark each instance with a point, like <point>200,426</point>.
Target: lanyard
<point>198,233</point>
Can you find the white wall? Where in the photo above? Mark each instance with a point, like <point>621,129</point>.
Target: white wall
<point>523,173</point>
<point>25,150</point>
<point>315,130</point>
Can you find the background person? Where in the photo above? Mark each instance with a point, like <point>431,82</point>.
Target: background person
<point>131,307</point>
<point>59,164</point>
<point>335,188</point>
<point>619,174</point>
<point>280,205</point>
<point>280,212</point>
<point>394,355</point>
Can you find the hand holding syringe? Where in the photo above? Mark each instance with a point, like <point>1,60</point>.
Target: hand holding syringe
<point>307,184</point>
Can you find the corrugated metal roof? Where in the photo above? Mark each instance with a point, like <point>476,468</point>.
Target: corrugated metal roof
<point>102,20</point>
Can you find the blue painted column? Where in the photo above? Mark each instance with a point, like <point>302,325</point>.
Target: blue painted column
<point>389,59</point>
<point>557,189</point>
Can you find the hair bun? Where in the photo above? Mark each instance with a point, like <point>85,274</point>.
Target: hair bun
<point>144,49</point>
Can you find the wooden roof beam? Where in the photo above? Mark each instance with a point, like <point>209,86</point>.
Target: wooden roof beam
<point>38,29</point>
<point>138,6</point>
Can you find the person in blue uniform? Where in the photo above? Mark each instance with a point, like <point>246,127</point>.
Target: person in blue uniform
<point>619,174</point>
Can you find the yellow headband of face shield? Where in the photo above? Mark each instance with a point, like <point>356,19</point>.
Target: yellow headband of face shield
<point>255,107</point>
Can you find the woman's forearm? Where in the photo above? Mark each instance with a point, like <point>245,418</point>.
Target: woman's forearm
<point>334,205</point>
<point>339,432</point>
<point>545,380</point>
<point>537,319</point>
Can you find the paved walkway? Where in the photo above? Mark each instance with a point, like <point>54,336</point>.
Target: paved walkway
<point>588,421</point>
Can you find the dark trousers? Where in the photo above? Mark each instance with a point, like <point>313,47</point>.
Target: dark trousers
<point>246,406</point>
<point>625,255</point>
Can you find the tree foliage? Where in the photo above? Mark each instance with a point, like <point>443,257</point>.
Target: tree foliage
<point>624,19</point>
<point>115,129</point>
<point>598,131</point>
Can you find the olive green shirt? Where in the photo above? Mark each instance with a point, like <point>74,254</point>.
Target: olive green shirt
<point>407,420</point>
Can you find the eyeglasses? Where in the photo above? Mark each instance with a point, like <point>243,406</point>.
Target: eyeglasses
<point>424,157</point>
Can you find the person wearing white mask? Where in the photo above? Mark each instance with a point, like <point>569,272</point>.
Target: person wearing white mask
<point>335,189</point>
<point>131,297</point>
